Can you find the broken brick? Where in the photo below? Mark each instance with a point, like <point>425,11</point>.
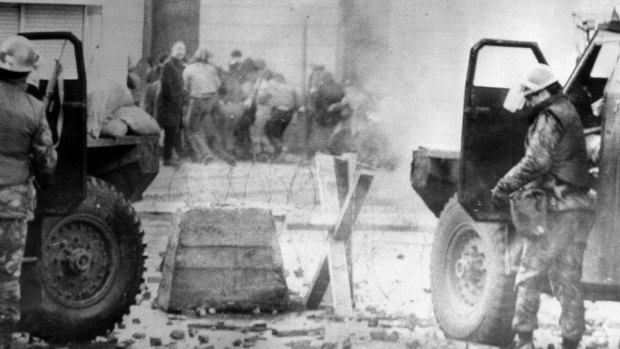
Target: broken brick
<point>413,345</point>
<point>379,335</point>
<point>139,335</point>
<point>374,322</point>
<point>392,337</point>
<point>203,338</point>
<point>177,334</point>
<point>155,341</point>
<point>302,344</point>
<point>112,339</point>
<point>258,326</point>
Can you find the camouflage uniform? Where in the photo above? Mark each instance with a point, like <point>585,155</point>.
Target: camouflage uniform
<point>26,145</point>
<point>555,162</point>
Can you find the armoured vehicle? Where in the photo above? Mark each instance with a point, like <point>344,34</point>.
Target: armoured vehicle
<point>84,260</point>
<point>475,250</point>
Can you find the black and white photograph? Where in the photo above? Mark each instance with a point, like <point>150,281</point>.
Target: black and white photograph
<point>309,174</point>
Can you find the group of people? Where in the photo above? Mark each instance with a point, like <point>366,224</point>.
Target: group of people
<point>207,112</point>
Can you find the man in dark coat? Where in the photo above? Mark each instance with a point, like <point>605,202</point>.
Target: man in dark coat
<point>556,165</point>
<point>170,102</point>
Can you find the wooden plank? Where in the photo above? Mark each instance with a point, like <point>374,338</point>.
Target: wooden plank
<point>194,286</point>
<point>319,284</point>
<point>332,180</point>
<point>352,206</point>
<point>340,277</point>
<point>351,189</point>
<point>233,257</point>
<point>327,183</point>
<point>164,294</point>
<point>226,226</point>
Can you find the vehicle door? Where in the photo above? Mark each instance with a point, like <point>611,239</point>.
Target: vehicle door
<point>66,115</point>
<point>492,137</point>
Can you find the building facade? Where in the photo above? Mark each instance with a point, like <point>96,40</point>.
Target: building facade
<point>111,31</point>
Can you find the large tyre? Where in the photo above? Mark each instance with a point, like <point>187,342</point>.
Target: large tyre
<point>473,298</point>
<point>91,268</point>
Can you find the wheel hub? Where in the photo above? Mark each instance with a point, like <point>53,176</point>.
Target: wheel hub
<point>78,259</point>
<point>469,270</point>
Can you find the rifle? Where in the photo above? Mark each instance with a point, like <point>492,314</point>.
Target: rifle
<point>48,101</point>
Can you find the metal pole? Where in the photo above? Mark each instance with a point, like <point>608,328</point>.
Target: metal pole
<point>304,56</point>
<point>304,67</point>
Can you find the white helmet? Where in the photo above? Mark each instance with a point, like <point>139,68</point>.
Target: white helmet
<point>538,78</point>
<point>17,54</point>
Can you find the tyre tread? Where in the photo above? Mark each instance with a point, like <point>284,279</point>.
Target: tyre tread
<point>495,326</point>
<point>48,328</point>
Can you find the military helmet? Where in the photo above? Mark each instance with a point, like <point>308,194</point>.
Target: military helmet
<point>17,54</point>
<point>537,78</point>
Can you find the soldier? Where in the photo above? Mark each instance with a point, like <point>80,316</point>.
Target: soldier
<point>26,144</point>
<point>552,175</point>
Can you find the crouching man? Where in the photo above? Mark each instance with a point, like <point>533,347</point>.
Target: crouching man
<point>550,205</point>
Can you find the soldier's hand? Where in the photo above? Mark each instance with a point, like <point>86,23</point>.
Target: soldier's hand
<point>499,198</point>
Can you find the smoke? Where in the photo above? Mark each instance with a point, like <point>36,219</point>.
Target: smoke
<point>413,56</point>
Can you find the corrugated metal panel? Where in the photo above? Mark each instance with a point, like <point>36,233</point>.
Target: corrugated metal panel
<point>9,20</point>
<point>56,18</point>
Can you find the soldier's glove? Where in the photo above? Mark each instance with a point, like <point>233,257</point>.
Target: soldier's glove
<point>499,198</point>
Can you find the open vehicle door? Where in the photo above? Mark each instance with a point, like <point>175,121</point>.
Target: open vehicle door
<point>492,140</point>
<point>66,114</point>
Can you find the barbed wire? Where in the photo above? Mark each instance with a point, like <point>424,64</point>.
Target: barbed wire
<point>294,185</point>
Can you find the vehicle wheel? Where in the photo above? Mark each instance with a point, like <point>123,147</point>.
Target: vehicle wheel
<point>91,267</point>
<point>473,299</point>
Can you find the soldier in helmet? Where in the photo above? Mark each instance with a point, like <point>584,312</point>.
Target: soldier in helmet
<point>551,208</point>
<point>26,147</point>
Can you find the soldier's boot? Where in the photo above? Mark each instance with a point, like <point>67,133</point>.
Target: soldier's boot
<point>524,341</point>
<point>570,343</point>
<point>6,336</point>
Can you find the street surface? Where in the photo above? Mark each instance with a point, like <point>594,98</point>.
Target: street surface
<point>391,249</point>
